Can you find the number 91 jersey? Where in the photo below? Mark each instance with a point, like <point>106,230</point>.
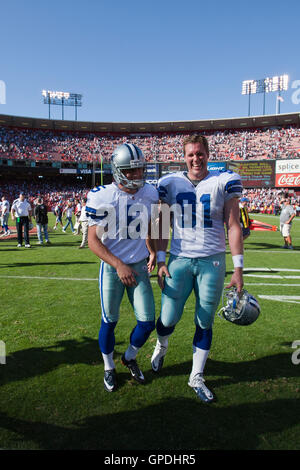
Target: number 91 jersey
<point>198,211</point>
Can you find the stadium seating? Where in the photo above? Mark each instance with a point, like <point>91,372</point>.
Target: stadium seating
<point>45,145</point>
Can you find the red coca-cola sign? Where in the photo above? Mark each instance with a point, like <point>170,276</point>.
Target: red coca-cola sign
<point>288,180</point>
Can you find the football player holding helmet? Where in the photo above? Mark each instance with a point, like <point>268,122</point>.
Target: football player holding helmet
<point>128,157</point>
<point>241,309</point>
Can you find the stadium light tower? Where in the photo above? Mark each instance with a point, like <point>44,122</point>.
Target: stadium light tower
<point>266,85</point>
<point>62,99</point>
<point>249,88</point>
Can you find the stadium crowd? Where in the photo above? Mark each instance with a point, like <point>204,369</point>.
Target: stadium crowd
<point>45,145</point>
<point>264,201</point>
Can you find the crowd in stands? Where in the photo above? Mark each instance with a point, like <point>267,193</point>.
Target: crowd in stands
<point>255,144</point>
<point>263,201</point>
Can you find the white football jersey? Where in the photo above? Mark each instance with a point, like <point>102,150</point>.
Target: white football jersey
<point>125,218</point>
<point>198,211</point>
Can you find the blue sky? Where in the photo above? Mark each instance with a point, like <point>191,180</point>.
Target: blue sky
<point>157,60</point>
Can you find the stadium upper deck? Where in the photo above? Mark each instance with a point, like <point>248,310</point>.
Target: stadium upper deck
<point>257,137</point>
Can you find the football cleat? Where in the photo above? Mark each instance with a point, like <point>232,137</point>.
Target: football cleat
<point>202,392</point>
<point>110,381</point>
<point>135,371</point>
<point>241,308</point>
<point>126,157</point>
<point>158,356</point>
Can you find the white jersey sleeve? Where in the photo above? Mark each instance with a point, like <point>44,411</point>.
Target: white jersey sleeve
<point>100,203</point>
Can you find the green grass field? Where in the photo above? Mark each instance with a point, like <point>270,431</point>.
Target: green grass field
<point>52,395</point>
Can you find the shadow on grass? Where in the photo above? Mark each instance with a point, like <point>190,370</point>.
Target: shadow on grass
<point>37,361</point>
<point>172,424</point>
<point>254,246</point>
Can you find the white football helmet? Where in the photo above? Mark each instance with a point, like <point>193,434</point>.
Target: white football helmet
<point>128,156</point>
<point>241,309</point>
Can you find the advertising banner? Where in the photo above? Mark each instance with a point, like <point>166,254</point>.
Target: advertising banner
<point>256,174</point>
<point>219,166</point>
<point>286,180</point>
<point>287,173</point>
<point>152,173</point>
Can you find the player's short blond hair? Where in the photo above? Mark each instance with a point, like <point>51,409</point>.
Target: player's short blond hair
<point>195,138</point>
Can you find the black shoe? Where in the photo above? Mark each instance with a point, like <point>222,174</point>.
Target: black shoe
<point>135,371</point>
<point>110,380</point>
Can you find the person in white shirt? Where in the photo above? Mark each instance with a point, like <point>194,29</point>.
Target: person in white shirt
<point>21,211</point>
<point>84,222</point>
<point>202,202</point>
<point>5,215</point>
<point>77,212</point>
<point>58,213</point>
<point>68,210</point>
<point>120,216</point>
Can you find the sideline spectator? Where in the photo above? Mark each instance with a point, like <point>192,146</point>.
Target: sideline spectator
<point>84,221</point>
<point>4,206</point>
<point>41,217</point>
<point>21,211</point>
<point>58,213</point>
<point>286,217</point>
<point>77,211</point>
<point>68,210</point>
<point>244,217</point>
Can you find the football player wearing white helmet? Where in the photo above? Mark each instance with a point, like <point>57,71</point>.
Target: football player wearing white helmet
<point>202,201</point>
<point>120,217</point>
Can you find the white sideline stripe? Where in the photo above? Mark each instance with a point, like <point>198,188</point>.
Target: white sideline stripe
<point>271,276</point>
<point>279,251</point>
<point>272,269</point>
<point>52,278</point>
<point>248,250</point>
<point>270,284</point>
<point>152,280</point>
<point>292,299</point>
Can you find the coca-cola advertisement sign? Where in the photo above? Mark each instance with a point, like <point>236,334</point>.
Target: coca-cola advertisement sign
<point>288,180</point>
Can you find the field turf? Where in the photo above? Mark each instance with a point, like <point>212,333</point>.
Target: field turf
<point>52,395</point>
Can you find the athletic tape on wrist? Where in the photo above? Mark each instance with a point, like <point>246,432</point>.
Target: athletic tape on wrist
<point>238,261</point>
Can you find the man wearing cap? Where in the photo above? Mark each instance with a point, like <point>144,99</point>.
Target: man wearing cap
<point>21,211</point>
